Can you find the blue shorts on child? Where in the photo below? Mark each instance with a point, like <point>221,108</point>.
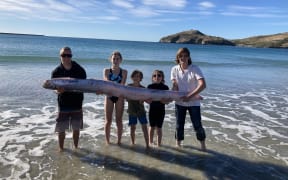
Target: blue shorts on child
<point>133,120</point>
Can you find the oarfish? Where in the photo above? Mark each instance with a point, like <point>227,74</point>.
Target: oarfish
<point>114,89</point>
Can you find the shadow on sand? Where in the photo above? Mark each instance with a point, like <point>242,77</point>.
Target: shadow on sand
<point>211,164</point>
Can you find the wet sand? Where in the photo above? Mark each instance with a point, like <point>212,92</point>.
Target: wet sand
<point>95,160</point>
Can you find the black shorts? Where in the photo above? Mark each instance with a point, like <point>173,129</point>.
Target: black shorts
<point>69,120</point>
<point>156,118</point>
<point>114,99</point>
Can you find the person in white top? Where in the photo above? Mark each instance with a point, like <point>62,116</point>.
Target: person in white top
<point>188,77</point>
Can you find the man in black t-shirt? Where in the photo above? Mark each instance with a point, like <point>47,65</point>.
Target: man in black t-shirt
<point>70,113</point>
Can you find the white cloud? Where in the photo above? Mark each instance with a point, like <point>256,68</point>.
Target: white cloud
<point>86,4</point>
<point>132,8</point>
<point>59,6</point>
<point>22,6</point>
<point>143,12</point>
<point>206,5</point>
<point>173,12</point>
<point>254,11</point>
<point>34,7</point>
<point>123,4</point>
<point>53,10</point>
<point>166,3</point>
<point>142,23</point>
<point>110,18</point>
<point>244,8</point>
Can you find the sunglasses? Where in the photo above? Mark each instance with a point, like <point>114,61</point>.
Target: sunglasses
<point>66,55</point>
<point>157,75</point>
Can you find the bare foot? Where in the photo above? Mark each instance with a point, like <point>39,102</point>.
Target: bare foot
<point>152,144</point>
<point>203,146</point>
<point>178,143</point>
<point>75,148</point>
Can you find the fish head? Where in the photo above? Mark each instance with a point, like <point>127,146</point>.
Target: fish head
<point>48,84</point>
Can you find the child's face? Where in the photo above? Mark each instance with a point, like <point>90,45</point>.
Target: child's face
<point>116,59</point>
<point>157,77</point>
<point>137,77</point>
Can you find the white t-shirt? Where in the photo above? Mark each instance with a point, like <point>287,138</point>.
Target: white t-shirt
<point>187,81</point>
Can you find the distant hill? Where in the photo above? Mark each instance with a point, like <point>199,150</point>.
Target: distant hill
<point>268,41</point>
<point>196,37</point>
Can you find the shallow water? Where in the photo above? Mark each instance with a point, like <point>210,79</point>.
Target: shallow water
<point>244,111</point>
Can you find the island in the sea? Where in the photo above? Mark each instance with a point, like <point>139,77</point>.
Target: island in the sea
<point>279,40</point>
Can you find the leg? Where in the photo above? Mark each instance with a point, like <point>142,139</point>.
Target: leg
<point>180,112</point>
<point>159,136</point>
<point>77,124</point>
<point>108,107</point>
<point>119,113</point>
<point>132,134</point>
<point>152,126</point>
<point>203,145</point>
<point>146,136</point>
<point>195,115</point>
<point>62,123</point>
<point>61,138</point>
<point>159,127</point>
<point>151,134</point>
<point>76,134</point>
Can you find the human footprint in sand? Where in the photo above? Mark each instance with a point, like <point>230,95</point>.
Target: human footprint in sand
<point>188,77</point>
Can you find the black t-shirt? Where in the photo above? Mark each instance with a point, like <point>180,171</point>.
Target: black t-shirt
<point>157,105</point>
<point>70,101</point>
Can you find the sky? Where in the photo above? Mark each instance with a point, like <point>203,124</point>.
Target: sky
<point>143,20</point>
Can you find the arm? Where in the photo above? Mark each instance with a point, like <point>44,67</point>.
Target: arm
<point>124,77</point>
<point>200,87</point>
<point>56,74</point>
<point>174,85</point>
<point>105,78</point>
<point>148,101</point>
<point>166,101</point>
<point>123,81</point>
<point>173,75</point>
<point>106,74</point>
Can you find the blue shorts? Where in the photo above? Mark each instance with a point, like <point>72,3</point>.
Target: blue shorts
<point>133,120</point>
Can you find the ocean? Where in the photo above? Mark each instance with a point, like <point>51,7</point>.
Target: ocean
<point>244,113</point>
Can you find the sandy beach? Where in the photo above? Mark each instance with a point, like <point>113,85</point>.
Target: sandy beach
<point>95,160</point>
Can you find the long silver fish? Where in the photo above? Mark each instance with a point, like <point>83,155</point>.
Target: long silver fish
<point>114,89</point>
